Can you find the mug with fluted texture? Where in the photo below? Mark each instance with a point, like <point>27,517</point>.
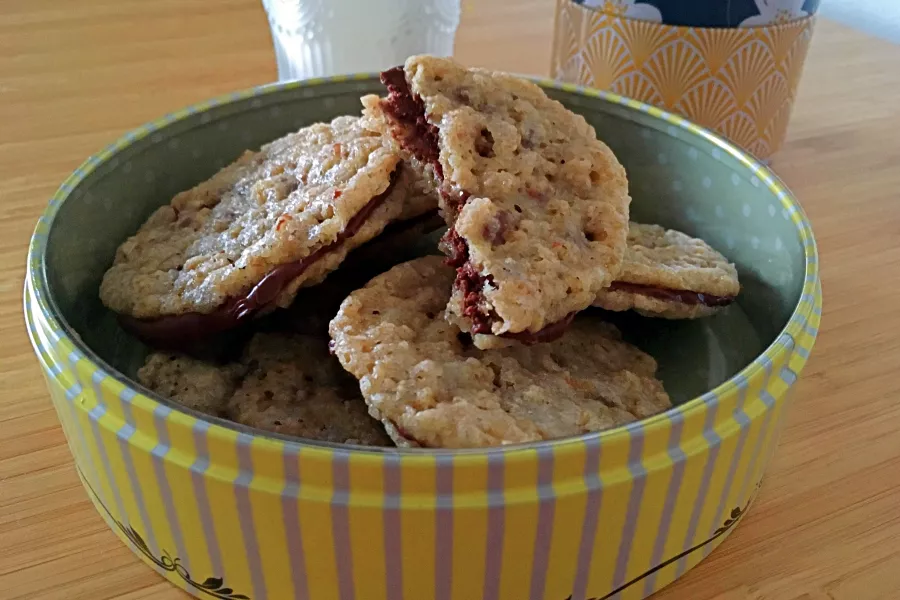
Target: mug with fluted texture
<point>739,82</point>
<point>320,38</point>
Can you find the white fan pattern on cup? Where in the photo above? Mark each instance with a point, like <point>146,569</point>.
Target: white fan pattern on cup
<point>740,82</point>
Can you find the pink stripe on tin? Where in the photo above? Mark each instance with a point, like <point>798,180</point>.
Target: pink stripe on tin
<point>198,474</point>
<point>291,517</point>
<point>94,416</point>
<point>123,439</point>
<point>769,401</point>
<point>245,515</point>
<point>78,434</point>
<point>393,566</point>
<point>544,535</point>
<point>676,454</point>
<point>340,525</point>
<point>443,514</point>
<point>591,516</point>
<point>639,474</point>
<point>714,443</point>
<point>495,528</point>
<point>744,422</point>
<point>160,414</point>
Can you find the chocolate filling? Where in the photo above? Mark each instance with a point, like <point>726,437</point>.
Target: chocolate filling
<point>420,138</point>
<point>470,283</point>
<point>415,133</point>
<point>458,249</point>
<point>683,296</point>
<point>176,331</point>
<point>548,333</point>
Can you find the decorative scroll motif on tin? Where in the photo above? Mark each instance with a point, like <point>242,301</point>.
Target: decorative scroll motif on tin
<point>214,587</point>
<point>736,514</point>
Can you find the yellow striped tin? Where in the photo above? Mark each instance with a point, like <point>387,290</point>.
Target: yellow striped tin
<point>223,511</point>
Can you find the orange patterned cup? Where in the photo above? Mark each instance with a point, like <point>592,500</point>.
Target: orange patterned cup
<point>739,82</point>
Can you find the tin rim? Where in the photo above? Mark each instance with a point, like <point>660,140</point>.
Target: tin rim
<point>798,324</point>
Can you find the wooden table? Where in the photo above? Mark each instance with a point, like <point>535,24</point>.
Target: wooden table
<point>74,76</point>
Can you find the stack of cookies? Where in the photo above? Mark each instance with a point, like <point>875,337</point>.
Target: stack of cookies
<point>490,344</point>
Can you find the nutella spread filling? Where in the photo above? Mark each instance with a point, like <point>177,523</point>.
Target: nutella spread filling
<point>414,133</point>
<point>180,330</point>
<point>470,282</point>
<point>683,296</point>
<point>548,333</point>
<point>420,138</point>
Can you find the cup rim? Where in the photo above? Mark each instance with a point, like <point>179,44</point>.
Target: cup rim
<point>798,325</point>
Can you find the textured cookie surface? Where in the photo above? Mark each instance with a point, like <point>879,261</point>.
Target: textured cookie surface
<point>315,306</point>
<point>670,274</point>
<point>425,379</point>
<point>296,196</point>
<point>202,386</point>
<point>283,383</point>
<point>538,207</point>
<point>293,386</point>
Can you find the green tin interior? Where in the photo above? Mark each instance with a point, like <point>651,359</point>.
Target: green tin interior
<point>678,179</point>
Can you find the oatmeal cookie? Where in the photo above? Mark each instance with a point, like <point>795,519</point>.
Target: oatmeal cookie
<point>671,275</point>
<point>283,383</point>
<point>197,384</point>
<point>293,386</point>
<point>537,205</point>
<point>245,240</point>
<point>428,384</point>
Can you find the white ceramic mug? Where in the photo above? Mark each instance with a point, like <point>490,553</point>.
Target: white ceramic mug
<point>318,38</point>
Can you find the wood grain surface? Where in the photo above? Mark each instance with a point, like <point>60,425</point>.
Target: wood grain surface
<point>75,75</point>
